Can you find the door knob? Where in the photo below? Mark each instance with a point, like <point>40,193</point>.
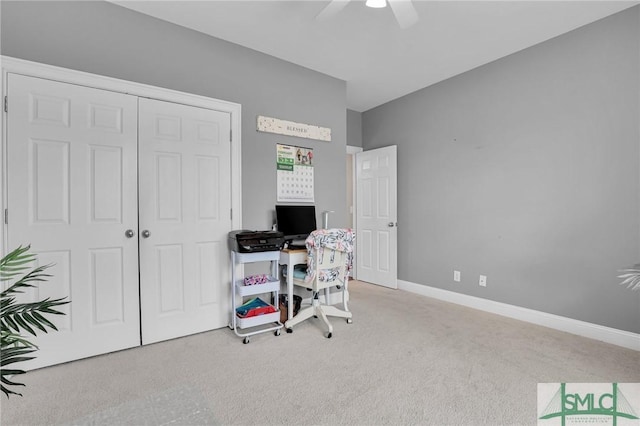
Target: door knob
<point>390,224</point>
<point>146,233</point>
<point>129,233</point>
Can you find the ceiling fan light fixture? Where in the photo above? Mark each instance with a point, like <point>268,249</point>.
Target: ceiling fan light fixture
<point>376,3</point>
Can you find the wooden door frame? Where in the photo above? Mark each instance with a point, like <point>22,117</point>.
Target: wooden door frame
<point>65,75</point>
<point>353,150</point>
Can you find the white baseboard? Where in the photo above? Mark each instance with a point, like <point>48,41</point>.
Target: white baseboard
<point>581,328</point>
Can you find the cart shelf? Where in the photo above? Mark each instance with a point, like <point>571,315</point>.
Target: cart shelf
<point>258,320</point>
<point>249,290</point>
<point>242,326</point>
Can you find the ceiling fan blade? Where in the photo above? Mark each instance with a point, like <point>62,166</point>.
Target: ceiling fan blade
<point>331,9</point>
<point>404,12</point>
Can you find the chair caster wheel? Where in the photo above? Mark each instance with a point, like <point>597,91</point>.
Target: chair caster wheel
<point>329,335</point>
<point>289,330</point>
<point>277,332</point>
<point>349,321</point>
<point>245,340</point>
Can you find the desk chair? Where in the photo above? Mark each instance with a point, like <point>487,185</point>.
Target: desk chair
<point>329,260</point>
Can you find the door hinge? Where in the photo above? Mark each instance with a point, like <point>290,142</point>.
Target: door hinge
<point>6,216</point>
<point>230,135</point>
<point>6,104</point>
<point>231,214</point>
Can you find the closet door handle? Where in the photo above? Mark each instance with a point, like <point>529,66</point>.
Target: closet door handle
<point>146,233</point>
<point>129,233</point>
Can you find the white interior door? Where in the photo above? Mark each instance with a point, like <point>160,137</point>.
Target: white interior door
<point>185,206</point>
<point>72,195</point>
<point>376,233</point>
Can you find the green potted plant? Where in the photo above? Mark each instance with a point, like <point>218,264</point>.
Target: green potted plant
<point>15,318</point>
<point>631,277</point>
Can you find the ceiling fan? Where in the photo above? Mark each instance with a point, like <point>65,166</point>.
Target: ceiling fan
<point>403,10</point>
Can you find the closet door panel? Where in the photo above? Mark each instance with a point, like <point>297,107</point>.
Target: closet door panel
<point>185,203</point>
<point>72,194</point>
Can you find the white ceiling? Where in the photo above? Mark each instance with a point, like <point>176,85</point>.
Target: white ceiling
<point>366,48</point>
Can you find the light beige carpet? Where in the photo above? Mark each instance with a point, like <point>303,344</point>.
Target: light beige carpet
<point>406,359</point>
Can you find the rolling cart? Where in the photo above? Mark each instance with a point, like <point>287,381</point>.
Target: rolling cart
<point>239,291</point>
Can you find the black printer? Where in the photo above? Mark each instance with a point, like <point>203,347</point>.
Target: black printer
<point>245,241</point>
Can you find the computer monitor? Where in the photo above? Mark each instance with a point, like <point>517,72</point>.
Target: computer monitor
<point>296,222</point>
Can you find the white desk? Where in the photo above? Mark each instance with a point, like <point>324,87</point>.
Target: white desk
<point>291,258</point>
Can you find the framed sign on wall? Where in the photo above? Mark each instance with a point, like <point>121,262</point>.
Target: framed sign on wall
<point>290,128</point>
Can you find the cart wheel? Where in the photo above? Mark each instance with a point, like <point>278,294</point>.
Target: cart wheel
<point>329,335</point>
<point>349,321</point>
<point>277,332</point>
<point>245,340</point>
<point>289,330</point>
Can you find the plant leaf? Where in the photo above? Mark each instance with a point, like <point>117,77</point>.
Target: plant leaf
<point>19,270</point>
<point>22,323</point>
<point>31,320</point>
<point>43,320</point>
<point>11,373</point>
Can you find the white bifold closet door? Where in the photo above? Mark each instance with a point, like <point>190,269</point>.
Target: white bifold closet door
<point>72,195</point>
<point>129,198</point>
<point>185,217</point>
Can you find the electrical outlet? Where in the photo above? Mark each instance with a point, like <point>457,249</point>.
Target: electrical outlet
<point>456,276</point>
<point>482,281</point>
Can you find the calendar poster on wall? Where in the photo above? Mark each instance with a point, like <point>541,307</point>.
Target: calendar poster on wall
<point>294,165</point>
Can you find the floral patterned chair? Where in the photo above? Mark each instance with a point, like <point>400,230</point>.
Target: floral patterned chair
<point>329,260</point>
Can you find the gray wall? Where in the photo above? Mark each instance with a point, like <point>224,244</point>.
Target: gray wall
<point>526,170</point>
<point>106,39</point>
<point>354,128</point>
